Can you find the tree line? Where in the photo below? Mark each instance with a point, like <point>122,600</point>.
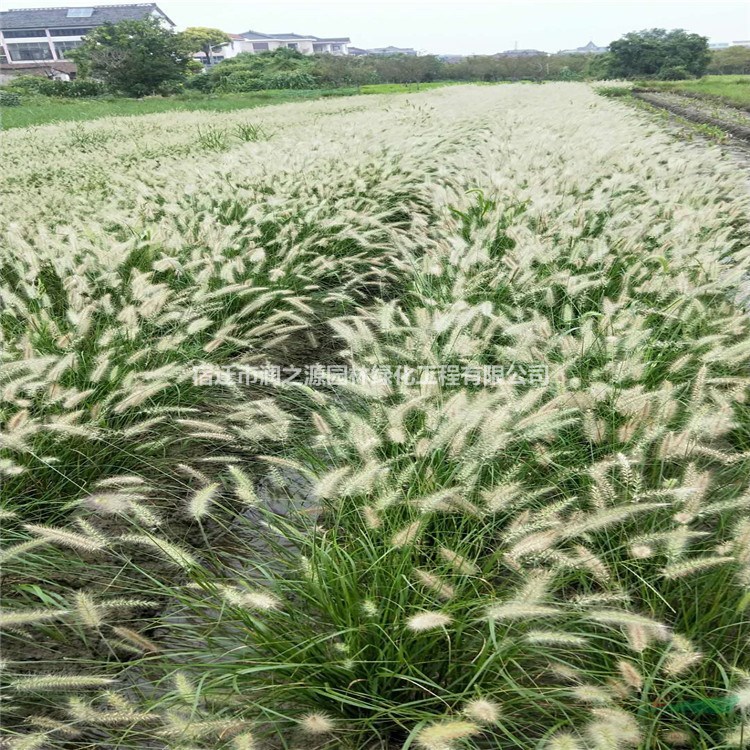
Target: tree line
<point>136,58</point>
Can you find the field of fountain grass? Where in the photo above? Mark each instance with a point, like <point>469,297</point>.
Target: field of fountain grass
<point>412,423</point>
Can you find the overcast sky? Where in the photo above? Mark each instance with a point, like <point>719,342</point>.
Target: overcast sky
<point>459,26</point>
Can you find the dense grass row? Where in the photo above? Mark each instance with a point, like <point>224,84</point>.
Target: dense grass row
<point>43,110</point>
<point>728,89</point>
<point>433,565</point>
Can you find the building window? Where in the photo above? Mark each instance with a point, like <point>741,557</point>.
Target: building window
<point>336,47</point>
<point>293,45</point>
<point>30,51</point>
<point>80,12</point>
<point>68,32</point>
<point>62,47</point>
<point>24,33</point>
<point>260,47</point>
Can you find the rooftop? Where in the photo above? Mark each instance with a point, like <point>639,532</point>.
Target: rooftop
<point>252,35</point>
<point>590,47</point>
<point>96,15</point>
<point>392,51</point>
<point>290,35</point>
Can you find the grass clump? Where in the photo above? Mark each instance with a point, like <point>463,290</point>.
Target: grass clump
<point>614,92</point>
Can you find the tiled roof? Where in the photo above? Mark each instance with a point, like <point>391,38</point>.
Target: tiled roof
<point>251,35</point>
<point>57,18</point>
<point>392,50</point>
<point>290,36</point>
<point>255,35</point>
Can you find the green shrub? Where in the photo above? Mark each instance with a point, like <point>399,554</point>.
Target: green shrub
<point>245,79</point>
<point>614,92</point>
<point>242,80</point>
<point>79,89</point>
<point>282,69</point>
<point>289,80</point>
<point>674,73</point>
<point>27,84</point>
<point>201,82</point>
<point>9,99</point>
<point>567,74</point>
<point>170,88</point>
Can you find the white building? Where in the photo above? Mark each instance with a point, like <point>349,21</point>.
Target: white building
<point>727,45</point>
<point>588,49</point>
<point>391,51</point>
<point>254,42</point>
<point>36,40</point>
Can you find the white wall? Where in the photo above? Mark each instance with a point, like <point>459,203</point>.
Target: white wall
<point>305,46</point>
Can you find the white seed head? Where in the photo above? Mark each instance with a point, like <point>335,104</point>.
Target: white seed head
<point>428,621</point>
<point>317,723</point>
<point>483,711</point>
<point>444,735</point>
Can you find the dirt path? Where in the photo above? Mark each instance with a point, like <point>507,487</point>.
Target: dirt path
<point>734,121</point>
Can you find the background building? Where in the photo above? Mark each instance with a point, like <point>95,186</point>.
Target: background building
<point>36,40</point>
<point>392,51</point>
<point>727,45</point>
<point>383,51</point>
<point>589,49</point>
<point>254,41</point>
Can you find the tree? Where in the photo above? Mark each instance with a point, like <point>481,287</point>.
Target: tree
<point>343,70</point>
<point>408,68</point>
<point>476,68</point>
<point>647,53</point>
<point>204,39</point>
<point>135,58</point>
<point>282,68</point>
<point>732,60</point>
